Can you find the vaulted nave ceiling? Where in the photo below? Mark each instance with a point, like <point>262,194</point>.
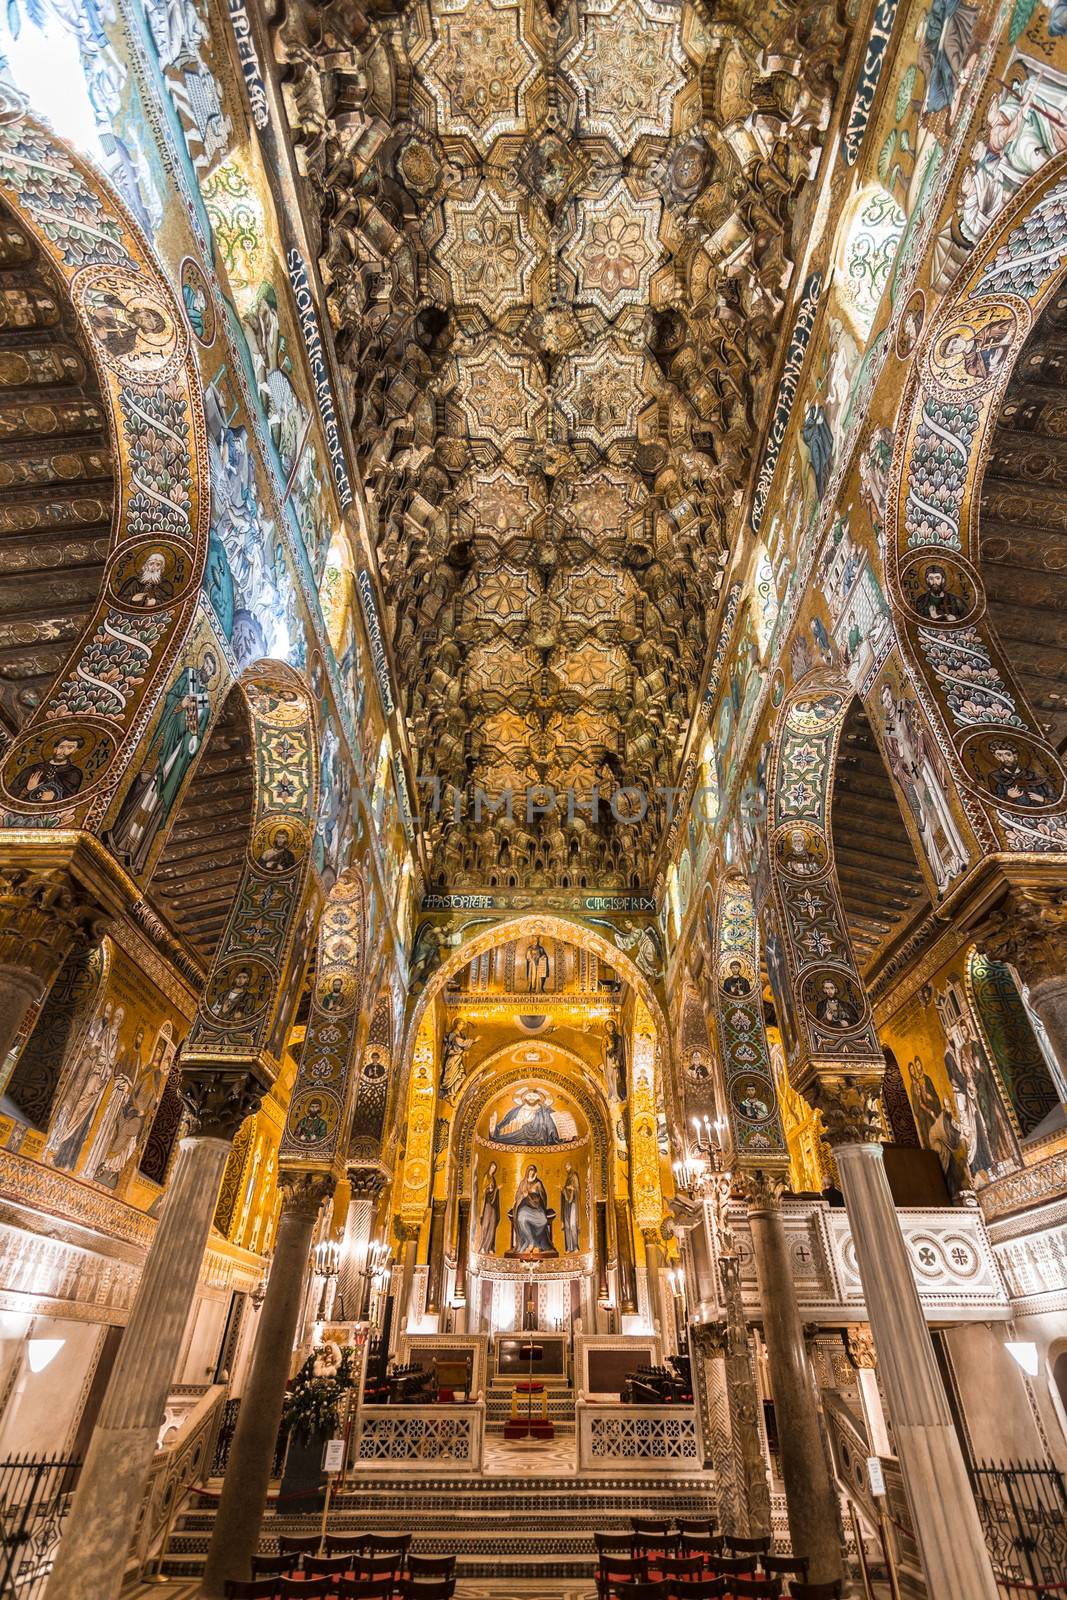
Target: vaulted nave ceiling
<point>556,243</point>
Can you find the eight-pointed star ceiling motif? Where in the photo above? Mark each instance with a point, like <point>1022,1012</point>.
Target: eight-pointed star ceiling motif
<point>556,245</point>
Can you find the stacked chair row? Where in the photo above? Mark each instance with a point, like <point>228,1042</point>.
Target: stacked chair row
<point>689,1560</point>
<point>347,1567</point>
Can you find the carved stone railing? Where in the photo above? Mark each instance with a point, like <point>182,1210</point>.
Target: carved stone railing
<point>1043,1180</point>
<point>637,1439</point>
<point>850,1450</point>
<point>185,1458</point>
<point>952,1259</point>
<point>414,1439</point>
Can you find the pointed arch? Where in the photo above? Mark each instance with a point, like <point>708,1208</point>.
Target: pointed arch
<point>831,1010</point>
<point>69,756</point>
<point>952,400</point>
<point>320,1108</point>
<point>245,985</point>
<point>755,1120</point>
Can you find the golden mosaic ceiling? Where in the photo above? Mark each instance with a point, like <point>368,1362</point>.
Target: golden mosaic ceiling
<point>555,240</point>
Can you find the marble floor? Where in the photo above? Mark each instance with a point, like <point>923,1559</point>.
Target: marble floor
<point>543,1458</point>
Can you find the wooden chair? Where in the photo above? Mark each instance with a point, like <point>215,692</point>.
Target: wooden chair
<point>653,1539</point>
<point>734,1566</point>
<point>258,1589</point>
<point>377,1544</point>
<point>756,1589</point>
<point>374,1569</point>
<point>349,1542</point>
<point>783,1566</point>
<point>705,1589</point>
<point>273,1566</point>
<point>654,1589</point>
<point>431,1567</point>
<point>708,1546</point>
<point>429,1589</point>
<point>748,1547</point>
<point>681,1570</point>
<point>698,1525</point>
<point>615,1544</point>
<point>365,1588</point>
<point>615,1570</point>
<point>306,1588</point>
<point>816,1591</point>
<point>304,1544</point>
<point>330,1566</point>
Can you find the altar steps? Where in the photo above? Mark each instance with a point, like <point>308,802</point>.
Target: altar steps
<point>528,1527</point>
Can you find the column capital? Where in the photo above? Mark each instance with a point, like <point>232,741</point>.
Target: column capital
<point>43,910</point>
<point>850,1104</point>
<point>304,1191</point>
<point>406,1231</point>
<point>1028,929</point>
<point>859,1343</point>
<point>218,1098</point>
<point>762,1189</point>
<point>710,1338</point>
<point>366,1183</point>
<point>653,1238</point>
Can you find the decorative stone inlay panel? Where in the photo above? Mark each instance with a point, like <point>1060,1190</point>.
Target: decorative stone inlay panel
<point>405,1438</point>
<point>953,1262</point>
<point>61,1278</point>
<point>616,1438</point>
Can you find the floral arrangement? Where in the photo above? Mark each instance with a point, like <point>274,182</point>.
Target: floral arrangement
<point>313,1408</point>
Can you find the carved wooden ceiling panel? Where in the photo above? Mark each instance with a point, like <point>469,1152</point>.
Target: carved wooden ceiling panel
<point>556,243</point>
<point>1023,522</point>
<point>56,478</point>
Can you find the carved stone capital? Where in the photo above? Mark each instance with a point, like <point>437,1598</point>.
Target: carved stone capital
<point>859,1343</point>
<point>42,912</point>
<point>303,1192</point>
<point>406,1232</point>
<point>710,1338</point>
<point>653,1238</point>
<point>366,1183</point>
<point>218,1099</point>
<point>1028,929</point>
<point>762,1190</point>
<point>850,1105</point>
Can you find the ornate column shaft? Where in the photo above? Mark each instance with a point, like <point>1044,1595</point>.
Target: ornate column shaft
<point>654,1280</point>
<point>949,1534</point>
<point>408,1233</point>
<point>244,1491</point>
<point>99,1526</point>
<point>753,1497</point>
<point>814,1514</point>
<point>353,1281</point>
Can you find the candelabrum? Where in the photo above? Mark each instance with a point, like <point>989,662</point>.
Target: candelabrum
<point>327,1261</point>
<point>377,1265</point>
<point>698,1172</point>
<point>676,1279</point>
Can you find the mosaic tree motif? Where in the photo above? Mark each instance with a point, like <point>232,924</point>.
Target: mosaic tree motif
<point>68,758</point>
<point>244,989</point>
<point>751,1096</point>
<point>320,1106</point>
<point>830,1007</point>
<point>964,360</point>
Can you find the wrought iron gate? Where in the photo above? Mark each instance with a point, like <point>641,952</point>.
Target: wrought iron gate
<point>34,1496</point>
<point>1023,1507</point>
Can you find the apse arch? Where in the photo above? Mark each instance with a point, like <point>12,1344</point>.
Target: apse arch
<point>69,755</point>
<point>487,1081</point>
<point>1010,777</point>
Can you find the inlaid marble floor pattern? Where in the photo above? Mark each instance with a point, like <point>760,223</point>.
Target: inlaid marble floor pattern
<point>466,1589</point>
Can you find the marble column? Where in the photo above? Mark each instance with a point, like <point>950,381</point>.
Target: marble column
<point>235,1536</point>
<point>945,1519</point>
<point>353,1281</point>
<point>654,1280</point>
<point>409,1235</point>
<point>100,1524</point>
<point>814,1513</point>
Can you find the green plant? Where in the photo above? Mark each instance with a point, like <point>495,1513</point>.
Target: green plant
<point>313,1408</point>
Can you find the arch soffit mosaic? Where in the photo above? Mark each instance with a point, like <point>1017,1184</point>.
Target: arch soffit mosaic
<point>245,986</point>
<point>82,735</point>
<point>951,404</point>
<point>830,1002</point>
